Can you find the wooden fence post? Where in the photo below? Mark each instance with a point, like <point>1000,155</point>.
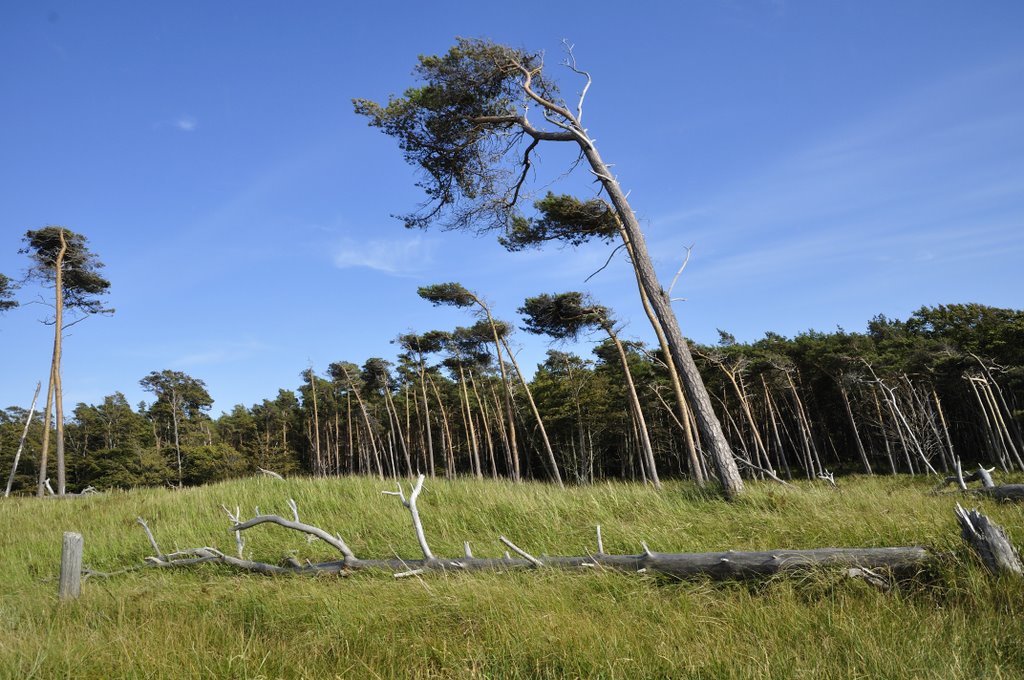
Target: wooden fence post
<point>70,566</point>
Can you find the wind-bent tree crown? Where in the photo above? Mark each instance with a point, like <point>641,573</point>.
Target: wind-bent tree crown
<point>376,373</point>
<point>81,280</point>
<point>562,218</point>
<point>449,294</point>
<point>460,126</point>
<point>563,316</point>
<point>427,343</point>
<point>179,391</point>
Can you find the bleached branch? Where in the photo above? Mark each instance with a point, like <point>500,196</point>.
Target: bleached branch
<point>152,540</point>
<point>414,512</point>
<point>522,553</point>
<point>236,519</point>
<point>686,261</point>
<point>334,541</point>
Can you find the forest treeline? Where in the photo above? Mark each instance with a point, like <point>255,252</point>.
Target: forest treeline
<point>903,397</point>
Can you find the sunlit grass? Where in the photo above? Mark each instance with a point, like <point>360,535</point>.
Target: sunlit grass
<point>954,621</point>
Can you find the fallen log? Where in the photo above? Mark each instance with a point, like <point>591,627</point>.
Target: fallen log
<point>1000,492</point>
<point>1003,492</point>
<point>715,565</point>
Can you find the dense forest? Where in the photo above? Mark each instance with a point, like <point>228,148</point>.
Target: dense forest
<point>906,396</point>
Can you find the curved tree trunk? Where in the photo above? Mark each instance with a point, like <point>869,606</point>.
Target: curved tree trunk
<point>634,402</point>
<point>513,447</point>
<point>553,464</point>
<point>697,394</point>
<point>673,374</point>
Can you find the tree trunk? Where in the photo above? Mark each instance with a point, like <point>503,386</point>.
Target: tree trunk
<point>58,336</point>
<point>853,426</point>
<point>638,414</point>
<point>781,456</point>
<point>670,366</point>
<point>397,425</point>
<point>942,420</point>
<point>484,417</point>
<point>513,447</point>
<point>366,422</point>
<point>470,428</point>
<point>449,450</point>
<point>696,393</point>
<point>318,464</point>
<point>21,442</point>
<point>553,464</point>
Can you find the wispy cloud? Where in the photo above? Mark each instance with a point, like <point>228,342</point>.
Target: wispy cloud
<point>398,257</point>
<point>220,353</point>
<point>934,176</point>
<point>186,124</point>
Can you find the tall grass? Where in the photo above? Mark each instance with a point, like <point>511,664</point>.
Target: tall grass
<point>954,621</point>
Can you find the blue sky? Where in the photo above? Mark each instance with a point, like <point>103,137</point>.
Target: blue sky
<point>828,161</point>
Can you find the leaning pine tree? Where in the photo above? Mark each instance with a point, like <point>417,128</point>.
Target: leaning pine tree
<point>468,129</point>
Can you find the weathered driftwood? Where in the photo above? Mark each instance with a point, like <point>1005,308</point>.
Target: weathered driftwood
<point>1004,492</point>
<point>1001,492</point>
<point>989,541</point>
<point>720,565</point>
<point>717,565</point>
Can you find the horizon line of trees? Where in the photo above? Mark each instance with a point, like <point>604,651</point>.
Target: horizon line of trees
<point>904,397</point>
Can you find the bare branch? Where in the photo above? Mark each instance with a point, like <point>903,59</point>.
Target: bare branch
<point>686,260</point>
<point>334,541</point>
<point>607,262</point>
<point>522,553</point>
<point>769,473</point>
<point>152,541</point>
<point>527,127</point>
<point>570,62</point>
<point>236,518</point>
<point>526,169</point>
<point>414,512</point>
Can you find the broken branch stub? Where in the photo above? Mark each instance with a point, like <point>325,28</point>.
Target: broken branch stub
<point>989,541</point>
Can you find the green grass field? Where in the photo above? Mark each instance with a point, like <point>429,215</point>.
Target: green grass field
<point>954,621</point>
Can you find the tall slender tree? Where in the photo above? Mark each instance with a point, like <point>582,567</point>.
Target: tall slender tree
<point>564,316</point>
<point>61,259</point>
<point>456,295</point>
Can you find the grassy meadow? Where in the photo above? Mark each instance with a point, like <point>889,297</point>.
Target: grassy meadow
<point>953,621</point>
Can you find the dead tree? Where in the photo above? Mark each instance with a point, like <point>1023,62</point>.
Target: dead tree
<point>716,565</point>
